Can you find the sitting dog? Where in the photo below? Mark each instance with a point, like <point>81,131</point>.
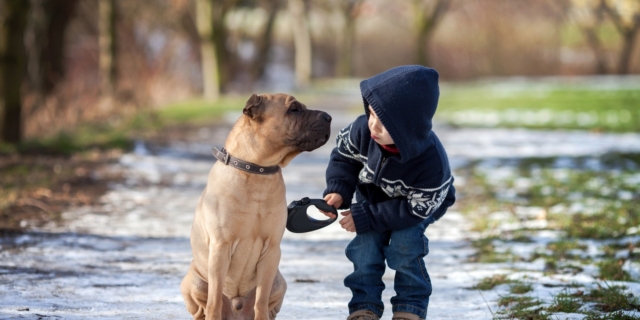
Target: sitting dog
<point>241,215</point>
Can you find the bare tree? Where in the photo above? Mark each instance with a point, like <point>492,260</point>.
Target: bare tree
<point>302,42</point>
<point>13,21</point>
<point>59,14</point>
<point>428,13</point>
<point>625,15</point>
<point>107,13</point>
<point>209,58</point>
<point>349,11</point>
<point>588,16</point>
<point>264,40</point>
<point>210,15</point>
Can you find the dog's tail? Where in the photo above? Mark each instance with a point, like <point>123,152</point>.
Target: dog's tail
<point>237,303</point>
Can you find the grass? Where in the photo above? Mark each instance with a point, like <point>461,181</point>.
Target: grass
<point>613,298</point>
<point>610,302</point>
<point>618,315</point>
<point>486,251</point>
<point>591,223</point>
<point>519,287</point>
<point>198,111</point>
<point>540,106</point>
<point>121,133</point>
<point>491,282</point>
<point>611,269</point>
<point>565,249</point>
<point>565,302</point>
<point>521,307</point>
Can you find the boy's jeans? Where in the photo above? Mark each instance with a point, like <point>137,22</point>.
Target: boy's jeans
<point>404,251</point>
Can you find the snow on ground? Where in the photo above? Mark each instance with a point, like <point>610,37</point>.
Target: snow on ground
<point>125,258</point>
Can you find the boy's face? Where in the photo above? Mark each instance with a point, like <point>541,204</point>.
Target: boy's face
<point>378,132</point>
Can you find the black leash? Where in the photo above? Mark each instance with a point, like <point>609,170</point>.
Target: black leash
<point>298,221</point>
<point>227,159</point>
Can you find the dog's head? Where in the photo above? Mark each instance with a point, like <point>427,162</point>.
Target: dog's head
<point>289,121</point>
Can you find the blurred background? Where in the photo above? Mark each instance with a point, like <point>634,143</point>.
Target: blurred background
<point>69,62</point>
<point>108,106</point>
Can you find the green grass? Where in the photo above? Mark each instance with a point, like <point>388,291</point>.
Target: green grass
<point>489,283</point>
<point>521,307</point>
<point>119,134</point>
<point>611,269</point>
<point>486,251</point>
<point>591,218</point>
<point>519,287</point>
<point>613,298</point>
<point>618,315</point>
<point>609,302</point>
<point>199,111</point>
<point>540,106</point>
<point>565,302</point>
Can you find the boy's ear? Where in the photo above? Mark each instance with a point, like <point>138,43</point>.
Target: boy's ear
<point>251,108</point>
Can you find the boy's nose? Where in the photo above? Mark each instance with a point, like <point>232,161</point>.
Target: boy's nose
<point>376,126</point>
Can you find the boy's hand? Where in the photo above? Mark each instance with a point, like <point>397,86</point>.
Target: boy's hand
<point>347,222</point>
<point>332,199</point>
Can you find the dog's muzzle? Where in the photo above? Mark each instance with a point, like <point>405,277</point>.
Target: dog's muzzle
<point>317,131</point>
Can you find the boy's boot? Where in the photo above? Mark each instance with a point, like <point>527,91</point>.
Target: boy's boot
<point>405,316</point>
<point>363,315</point>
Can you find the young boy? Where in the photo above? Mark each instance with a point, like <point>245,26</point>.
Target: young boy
<point>400,174</point>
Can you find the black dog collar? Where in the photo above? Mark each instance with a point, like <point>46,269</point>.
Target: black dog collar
<point>227,159</point>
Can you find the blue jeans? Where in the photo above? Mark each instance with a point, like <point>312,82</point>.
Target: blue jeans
<point>404,251</point>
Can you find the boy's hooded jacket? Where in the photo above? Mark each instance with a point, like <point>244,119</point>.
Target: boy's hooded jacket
<point>394,191</point>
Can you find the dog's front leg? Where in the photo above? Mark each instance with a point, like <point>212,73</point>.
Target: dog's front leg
<point>267,269</point>
<point>218,265</point>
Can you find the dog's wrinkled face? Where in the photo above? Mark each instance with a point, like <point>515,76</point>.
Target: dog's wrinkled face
<point>289,121</point>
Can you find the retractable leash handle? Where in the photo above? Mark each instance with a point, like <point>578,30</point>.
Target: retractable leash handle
<point>298,221</point>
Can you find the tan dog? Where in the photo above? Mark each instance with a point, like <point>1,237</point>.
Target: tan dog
<point>241,216</point>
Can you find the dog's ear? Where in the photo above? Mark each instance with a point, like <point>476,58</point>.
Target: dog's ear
<point>252,108</point>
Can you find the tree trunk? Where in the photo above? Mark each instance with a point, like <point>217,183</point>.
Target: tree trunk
<point>210,76</point>
<point>13,21</point>
<point>346,39</point>
<point>107,43</point>
<point>220,36</point>
<point>263,43</point>
<point>598,51</point>
<point>426,19</point>
<point>302,42</point>
<point>59,14</point>
<point>624,64</point>
<point>422,41</point>
<point>628,30</point>
<point>35,40</point>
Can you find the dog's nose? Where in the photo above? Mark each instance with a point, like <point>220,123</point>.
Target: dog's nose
<point>326,117</point>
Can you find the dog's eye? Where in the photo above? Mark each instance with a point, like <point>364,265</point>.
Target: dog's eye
<point>294,108</point>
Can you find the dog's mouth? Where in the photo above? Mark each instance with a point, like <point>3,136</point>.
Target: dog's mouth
<point>315,134</point>
<point>312,144</point>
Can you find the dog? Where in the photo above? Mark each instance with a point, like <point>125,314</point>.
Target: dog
<point>241,215</point>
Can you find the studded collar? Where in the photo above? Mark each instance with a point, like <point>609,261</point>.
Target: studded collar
<point>224,157</point>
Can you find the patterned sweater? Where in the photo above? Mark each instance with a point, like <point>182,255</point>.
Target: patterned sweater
<point>393,191</point>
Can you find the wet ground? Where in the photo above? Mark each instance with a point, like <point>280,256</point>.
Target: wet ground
<point>124,257</point>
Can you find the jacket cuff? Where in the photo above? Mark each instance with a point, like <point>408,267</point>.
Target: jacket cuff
<point>360,216</point>
<point>344,190</point>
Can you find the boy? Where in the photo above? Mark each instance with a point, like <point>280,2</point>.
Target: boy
<point>400,174</point>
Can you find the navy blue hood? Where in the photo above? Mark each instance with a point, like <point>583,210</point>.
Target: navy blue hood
<point>405,99</point>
